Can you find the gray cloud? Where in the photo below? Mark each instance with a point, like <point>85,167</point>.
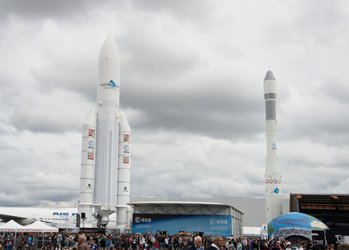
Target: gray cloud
<point>204,113</point>
<point>182,10</point>
<point>336,89</point>
<point>35,9</point>
<point>38,116</point>
<point>37,167</point>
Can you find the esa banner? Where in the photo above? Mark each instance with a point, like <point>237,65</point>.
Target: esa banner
<point>173,224</point>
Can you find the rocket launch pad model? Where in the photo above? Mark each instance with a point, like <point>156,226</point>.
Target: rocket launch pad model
<point>105,163</point>
<point>272,172</point>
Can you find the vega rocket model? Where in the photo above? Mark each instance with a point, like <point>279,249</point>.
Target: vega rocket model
<point>272,172</point>
<point>106,150</point>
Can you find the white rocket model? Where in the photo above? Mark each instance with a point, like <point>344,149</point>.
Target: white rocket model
<point>105,163</point>
<point>272,173</point>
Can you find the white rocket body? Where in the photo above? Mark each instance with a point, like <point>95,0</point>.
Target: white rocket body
<point>100,177</point>
<point>272,172</point>
<point>123,210</point>
<point>107,129</point>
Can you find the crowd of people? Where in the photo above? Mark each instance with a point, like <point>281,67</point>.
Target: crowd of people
<point>182,241</point>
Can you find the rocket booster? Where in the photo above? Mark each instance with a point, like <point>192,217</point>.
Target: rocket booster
<point>87,168</point>
<point>123,210</point>
<point>272,172</point>
<point>100,173</point>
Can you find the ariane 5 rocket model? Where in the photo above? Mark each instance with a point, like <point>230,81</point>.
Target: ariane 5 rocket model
<point>272,172</point>
<point>106,150</point>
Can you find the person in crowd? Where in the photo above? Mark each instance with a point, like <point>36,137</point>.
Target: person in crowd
<point>288,246</point>
<point>277,245</point>
<point>217,244</point>
<point>197,245</point>
<point>244,243</point>
<point>167,243</point>
<point>82,245</point>
<point>343,246</point>
<point>239,244</point>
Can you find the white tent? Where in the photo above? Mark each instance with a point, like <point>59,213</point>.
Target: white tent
<point>11,226</point>
<point>251,231</point>
<point>39,227</point>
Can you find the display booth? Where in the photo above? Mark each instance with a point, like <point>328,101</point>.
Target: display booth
<point>296,224</point>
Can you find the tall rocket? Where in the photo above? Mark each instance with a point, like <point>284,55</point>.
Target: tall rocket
<point>272,172</point>
<point>106,142</point>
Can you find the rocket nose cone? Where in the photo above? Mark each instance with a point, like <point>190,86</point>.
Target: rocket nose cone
<point>109,51</point>
<point>124,125</point>
<point>91,117</point>
<point>269,76</point>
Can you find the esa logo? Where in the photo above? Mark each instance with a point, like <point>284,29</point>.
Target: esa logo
<point>110,85</point>
<point>214,221</point>
<point>142,220</point>
<point>91,144</point>
<point>126,149</point>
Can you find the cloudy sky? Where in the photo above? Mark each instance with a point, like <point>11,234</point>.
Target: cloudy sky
<point>191,86</point>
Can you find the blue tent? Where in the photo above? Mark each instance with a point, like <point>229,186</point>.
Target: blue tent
<point>293,224</point>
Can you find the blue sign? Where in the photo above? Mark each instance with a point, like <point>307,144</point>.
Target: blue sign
<point>173,224</point>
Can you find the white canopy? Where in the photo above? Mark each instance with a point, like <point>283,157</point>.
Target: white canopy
<point>39,226</point>
<point>11,226</point>
<point>251,231</point>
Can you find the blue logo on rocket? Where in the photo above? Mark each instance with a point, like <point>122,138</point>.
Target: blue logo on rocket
<point>110,85</point>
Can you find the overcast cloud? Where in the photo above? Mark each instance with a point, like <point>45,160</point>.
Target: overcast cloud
<point>191,86</point>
